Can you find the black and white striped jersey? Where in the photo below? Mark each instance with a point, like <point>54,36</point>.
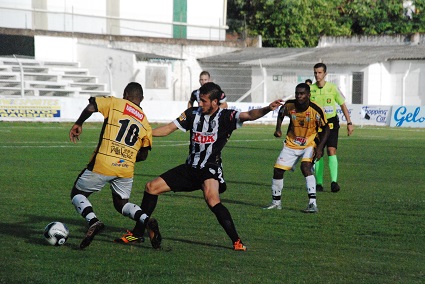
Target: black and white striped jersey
<point>208,134</point>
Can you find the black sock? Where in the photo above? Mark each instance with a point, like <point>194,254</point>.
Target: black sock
<point>148,206</point>
<point>225,220</point>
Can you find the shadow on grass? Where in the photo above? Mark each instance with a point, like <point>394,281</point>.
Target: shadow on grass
<point>26,231</point>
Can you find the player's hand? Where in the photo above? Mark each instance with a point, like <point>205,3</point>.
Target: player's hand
<point>278,133</point>
<point>350,129</point>
<point>75,132</point>
<point>318,154</point>
<point>277,103</point>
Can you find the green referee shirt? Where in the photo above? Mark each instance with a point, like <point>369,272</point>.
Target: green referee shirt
<point>327,97</point>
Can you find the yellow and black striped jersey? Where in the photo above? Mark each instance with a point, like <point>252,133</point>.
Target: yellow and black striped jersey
<point>125,130</point>
<point>304,125</point>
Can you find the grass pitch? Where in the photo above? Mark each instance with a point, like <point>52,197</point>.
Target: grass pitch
<point>372,231</point>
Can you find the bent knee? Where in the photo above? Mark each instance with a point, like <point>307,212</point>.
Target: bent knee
<point>156,186</point>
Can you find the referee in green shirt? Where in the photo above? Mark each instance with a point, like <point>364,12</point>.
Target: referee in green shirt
<point>328,96</point>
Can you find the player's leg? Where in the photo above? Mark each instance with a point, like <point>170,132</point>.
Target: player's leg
<point>310,180</point>
<point>277,187</point>
<point>142,215</point>
<point>286,161</point>
<point>210,188</point>
<point>332,144</point>
<point>121,191</point>
<point>87,183</point>
<point>319,167</point>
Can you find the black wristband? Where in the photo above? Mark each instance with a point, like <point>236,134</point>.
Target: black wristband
<point>349,123</point>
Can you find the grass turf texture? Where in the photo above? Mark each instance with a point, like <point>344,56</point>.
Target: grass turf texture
<point>372,231</point>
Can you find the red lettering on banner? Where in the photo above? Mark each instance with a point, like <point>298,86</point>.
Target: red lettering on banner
<point>200,138</point>
<point>131,111</point>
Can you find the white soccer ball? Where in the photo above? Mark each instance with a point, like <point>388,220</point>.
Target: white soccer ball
<point>56,233</point>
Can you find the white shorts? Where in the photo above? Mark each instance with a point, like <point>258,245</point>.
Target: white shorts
<point>288,157</point>
<point>93,182</point>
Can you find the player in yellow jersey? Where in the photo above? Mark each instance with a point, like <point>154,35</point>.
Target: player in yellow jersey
<point>328,96</point>
<point>302,142</point>
<point>125,139</point>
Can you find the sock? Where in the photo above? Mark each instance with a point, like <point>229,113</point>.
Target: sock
<point>148,205</point>
<point>134,212</point>
<point>333,168</point>
<point>84,208</point>
<point>318,168</point>
<point>225,220</point>
<point>277,186</point>
<point>310,182</point>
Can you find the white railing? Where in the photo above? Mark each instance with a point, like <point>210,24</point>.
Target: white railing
<point>70,18</point>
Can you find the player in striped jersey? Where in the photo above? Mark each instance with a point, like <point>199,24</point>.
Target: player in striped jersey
<point>125,139</point>
<point>302,142</point>
<point>210,128</point>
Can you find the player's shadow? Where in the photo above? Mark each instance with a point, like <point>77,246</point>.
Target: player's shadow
<point>198,243</point>
<point>25,230</point>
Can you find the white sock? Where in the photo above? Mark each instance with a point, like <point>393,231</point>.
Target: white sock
<point>310,182</point>
<point>130,209</point>
<point>80,203</point>
<point>277,186</point>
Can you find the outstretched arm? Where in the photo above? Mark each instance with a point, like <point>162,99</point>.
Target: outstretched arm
<point>164,130</point>
<point>254,114</point>
<point>77,128</point>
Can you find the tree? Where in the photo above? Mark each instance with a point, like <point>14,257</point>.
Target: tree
<point>300,23</point>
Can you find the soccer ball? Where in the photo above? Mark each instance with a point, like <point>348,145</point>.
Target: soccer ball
<point>56,233</point>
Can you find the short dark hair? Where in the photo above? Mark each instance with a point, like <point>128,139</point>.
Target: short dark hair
<point>308,81</point>
<point>320,64</point>
<point>303,85</point>
<point>213,91</point>
<point>134,90</point>
<point>205,73</point>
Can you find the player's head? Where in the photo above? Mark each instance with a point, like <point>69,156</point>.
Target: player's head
<point>133,92</point>
<point>302,96</point>
<point>308,81</point>
<point>320,65</point>
<point>319,71</point>
<point>204,77</point>
<point>209,95</point>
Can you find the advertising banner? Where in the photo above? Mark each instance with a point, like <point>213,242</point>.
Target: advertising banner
<point>408,116</point>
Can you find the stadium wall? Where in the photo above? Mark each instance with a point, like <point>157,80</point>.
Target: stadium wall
<point>62,109</point>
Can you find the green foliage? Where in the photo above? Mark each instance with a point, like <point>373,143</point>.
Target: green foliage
<point>370,232</point>
<point>300,23</point>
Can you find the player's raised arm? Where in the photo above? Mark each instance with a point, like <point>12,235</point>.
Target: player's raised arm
<point>254,114</point>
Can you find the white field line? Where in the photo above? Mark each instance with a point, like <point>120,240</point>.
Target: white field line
<point>35,144</point>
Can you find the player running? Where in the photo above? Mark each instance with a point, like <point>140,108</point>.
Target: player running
<point>125,138</point>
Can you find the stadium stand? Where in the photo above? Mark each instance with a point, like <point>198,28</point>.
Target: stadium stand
<point>43,78</point>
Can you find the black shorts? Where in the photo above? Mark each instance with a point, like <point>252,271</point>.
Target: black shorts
<point>333,123</point>
<point>185,178</point>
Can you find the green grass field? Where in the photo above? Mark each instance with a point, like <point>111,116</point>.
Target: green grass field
<point>372,231</point>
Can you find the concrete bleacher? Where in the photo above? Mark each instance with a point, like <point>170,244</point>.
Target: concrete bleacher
<point>41,78</point>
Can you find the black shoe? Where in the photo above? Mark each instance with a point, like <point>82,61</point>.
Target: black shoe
<point>153,233</point>
<point>335,187</point>
<point>319,187</point>
<point>91,232</point>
